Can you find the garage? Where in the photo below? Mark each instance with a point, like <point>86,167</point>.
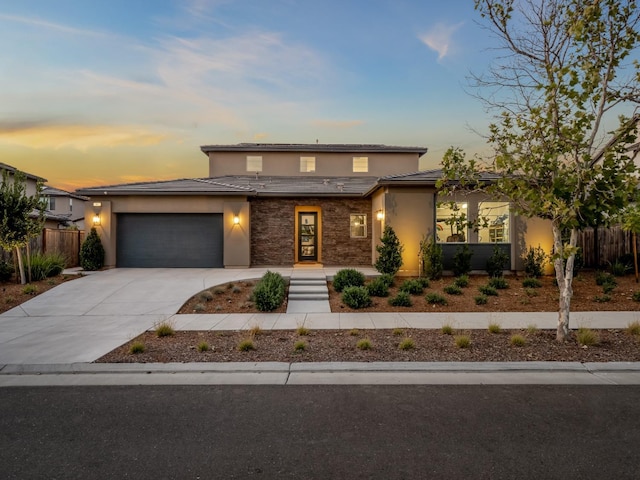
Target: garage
<point>169,240</point>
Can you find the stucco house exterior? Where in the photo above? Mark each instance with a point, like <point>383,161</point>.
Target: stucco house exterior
<point>67,205</point>
<point>287,204</point>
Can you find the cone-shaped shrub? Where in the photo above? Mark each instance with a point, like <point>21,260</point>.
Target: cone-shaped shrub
<point>92,252</point>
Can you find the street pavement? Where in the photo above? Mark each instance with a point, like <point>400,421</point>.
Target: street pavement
<point>55,336</point>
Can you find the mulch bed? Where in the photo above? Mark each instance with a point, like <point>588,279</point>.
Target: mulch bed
<point>340,345</point>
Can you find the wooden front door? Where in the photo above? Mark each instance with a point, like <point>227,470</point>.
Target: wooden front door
<point>307,236</point>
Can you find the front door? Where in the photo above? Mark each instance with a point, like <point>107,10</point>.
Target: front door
<point>307,236</point>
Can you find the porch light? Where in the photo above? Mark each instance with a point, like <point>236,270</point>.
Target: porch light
<point>236,220</point>
<point>380,215</point>
<point>96,220</point>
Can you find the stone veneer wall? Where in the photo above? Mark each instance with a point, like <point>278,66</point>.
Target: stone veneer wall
<point>273,230</point>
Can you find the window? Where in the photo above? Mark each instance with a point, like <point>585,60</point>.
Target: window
<point>52,203</point>
<point>494,222</point>
<point>358,224</point>
<point>307,164</point>
<point>254,164</point>
<point>360,164</point>
<point>452,221</point>
<point>71,204</point>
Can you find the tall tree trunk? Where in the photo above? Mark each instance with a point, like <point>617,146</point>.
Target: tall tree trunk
<point>635,255</point>
<point>23,279</point>
<point>29,261</point>
<point>564,277</point>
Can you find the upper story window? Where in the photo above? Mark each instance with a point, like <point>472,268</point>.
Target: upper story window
<point>360,164</point>
<point>307,164</point>
<point>254,163</point>
<point>71,204</point>
<point>358,224</point>
<point>51,203</point>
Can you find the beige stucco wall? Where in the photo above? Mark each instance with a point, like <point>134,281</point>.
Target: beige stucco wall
<point>236,237</point>
<point>327,164</point>
<point>410,213</point>
<point>534,232</point>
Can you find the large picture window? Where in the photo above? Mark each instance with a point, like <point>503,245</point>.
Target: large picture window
<point>307,164</point>
<point>358,224</point>
<point>360,164</point>
<point>452,221</point>
<point>494,224</point>
<point>254,163</point>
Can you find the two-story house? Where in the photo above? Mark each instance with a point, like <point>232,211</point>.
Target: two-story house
<point>67,205</point>
<point>285,204</point>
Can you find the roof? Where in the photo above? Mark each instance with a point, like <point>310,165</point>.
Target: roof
<point>56,192</point>
<point>312,147</point>
<point>247,185</point>
<point>4,166</point>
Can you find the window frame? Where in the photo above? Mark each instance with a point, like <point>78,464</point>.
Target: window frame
<point>307,164</point>
<point>254,158</point>
<point>360,165</point>
<point>353,225</point>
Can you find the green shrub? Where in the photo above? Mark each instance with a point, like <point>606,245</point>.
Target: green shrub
<point>603,278</point>
<point>462,260</point>
<point>136,347</point>
<point>30,289</point>
<point>530,292</point>
<point>447,329</point>
<point>203,346</point>
<point>378,288</point>
<point>462,341</point>
<point>531,282</point>
<point>619,268</point>
<point>398,331</point>
<point>636,296</point>
<point>6,271</point>
<point>407,344</point>
<point>354,332</point>
<point>412,287</point>
<point>462,281</point>
<point>402,299</point>
<point>206,296</point>
<point>534,261</point>
<point>432,258</point>
<point>532,328</point>
<point>302,331</point>
<point>92,252</point>
<point>497,262</point>
<point>608,288</point>
<point>364,344</point>
<point>246,345</point>
<point>488,290</point>
<point>481,299</point>
<point>389,252</point>
<point>434,298</point>
<point>602,298</point>
<point>347,277</point>
<point>499,283</point>
<point>269,292</point>
<point>424,281</point>
<point>199,307</point>
<point>387,279</point>
<point>518,340</point>
<point>300,346</point>
<point>356,297</point>
<point>633,328</point>
<point>453,289</point>
<point>46,265</point>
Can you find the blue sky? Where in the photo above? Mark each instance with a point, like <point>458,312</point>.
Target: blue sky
<point>95,92</point>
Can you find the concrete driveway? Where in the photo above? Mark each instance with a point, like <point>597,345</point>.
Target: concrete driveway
<point>81,320</point>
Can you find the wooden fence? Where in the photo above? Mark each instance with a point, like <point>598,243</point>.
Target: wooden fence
<point>608,246</point>
<point>66,242</point>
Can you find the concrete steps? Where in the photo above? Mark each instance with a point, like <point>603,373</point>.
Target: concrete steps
<point>308,293</point>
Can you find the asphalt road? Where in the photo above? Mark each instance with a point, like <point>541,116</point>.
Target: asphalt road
<point>324,432</point>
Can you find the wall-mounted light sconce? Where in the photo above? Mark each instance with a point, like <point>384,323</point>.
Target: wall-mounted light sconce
<point>236,220</point>
<point>380,215</point>
<point>96,220</point>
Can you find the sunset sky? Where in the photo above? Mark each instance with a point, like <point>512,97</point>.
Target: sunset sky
<point>104,92</point>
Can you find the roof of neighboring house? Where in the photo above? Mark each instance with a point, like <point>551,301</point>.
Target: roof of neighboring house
<point>4,166</point>
<point>312,147</point>
<point>248,185</point>
<point>56,192</point>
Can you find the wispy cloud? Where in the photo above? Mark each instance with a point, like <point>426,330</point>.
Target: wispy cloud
<point>39,23</point>
<point>440,38</point>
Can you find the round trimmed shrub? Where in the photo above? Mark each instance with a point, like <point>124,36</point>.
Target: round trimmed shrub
<point>348,277</point>
<point>356,297</point>
<point>378,288</point>
<point>402,299</point>
<point>412,287</point>
<point>269,292</point>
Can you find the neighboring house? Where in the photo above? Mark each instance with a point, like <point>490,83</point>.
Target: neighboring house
<point>52,219</point>
<point>67,205</point>
<point>284,204</point>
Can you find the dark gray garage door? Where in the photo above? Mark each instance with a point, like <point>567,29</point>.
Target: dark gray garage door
<point>174,240</point>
